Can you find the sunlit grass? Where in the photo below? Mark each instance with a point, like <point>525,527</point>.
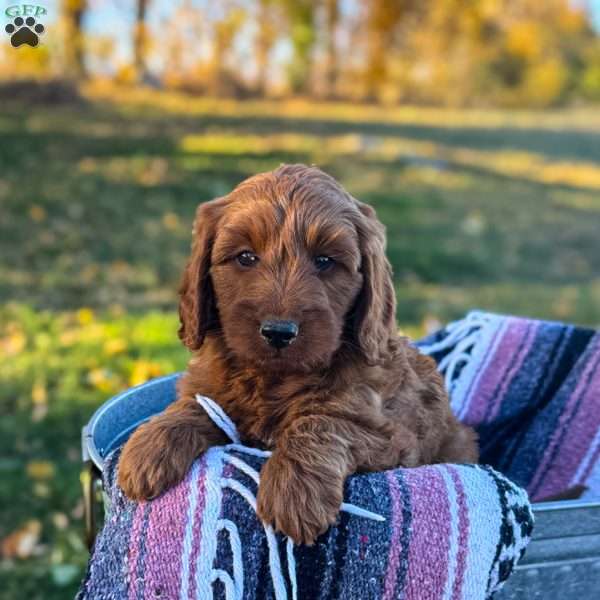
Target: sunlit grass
<point>493,210</point>
<point>526,165</point>
<point>157,102</point>
<point>55,369</point>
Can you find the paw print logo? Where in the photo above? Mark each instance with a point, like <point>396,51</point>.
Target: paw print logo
<point>24,31</point>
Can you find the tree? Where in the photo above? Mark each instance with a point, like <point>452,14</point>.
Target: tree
<point>225,31</point>
<point>301,22</point>
<point>382,18</point>
<point>73,13</point>
<point>332,15</point>
<point>265,39</point>
<point>140,39</point>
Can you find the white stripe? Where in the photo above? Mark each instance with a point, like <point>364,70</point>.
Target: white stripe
<point>453,549</point>
<point>357,511</point>
<point>210,518</point>
<point>236,551</point>
<point>484,519</point>
<point>189,529</point>
<point>241,489</point>
<point>248,450</point>
<point>244,467</point>
<point>482,354</point>
<point>291,560</point>
<point>223,576</point>
<point>577,478</point>
<point>274,561</point>
<point>221,420</point>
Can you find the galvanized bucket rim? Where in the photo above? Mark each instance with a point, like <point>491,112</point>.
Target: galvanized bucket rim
<point>90,450</point>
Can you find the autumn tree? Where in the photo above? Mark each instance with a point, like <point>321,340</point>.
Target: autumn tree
<point>140,39</point>
<point>225,31</point>
<point>267,21</point>
<point>73,12</point>
<point>301,27</point>
<point>332,16</point>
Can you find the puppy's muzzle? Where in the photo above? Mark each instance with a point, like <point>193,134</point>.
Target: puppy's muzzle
<point>279,334</point>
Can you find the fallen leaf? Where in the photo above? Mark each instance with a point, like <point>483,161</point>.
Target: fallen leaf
<point>37,213</point>
<point>22,542</point>
<point>40,469</point>
<point>85,316</point>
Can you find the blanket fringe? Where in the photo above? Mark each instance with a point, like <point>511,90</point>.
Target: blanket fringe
<point>462,337</point>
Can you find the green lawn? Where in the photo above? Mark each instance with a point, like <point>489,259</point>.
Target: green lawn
<point>492,210</point>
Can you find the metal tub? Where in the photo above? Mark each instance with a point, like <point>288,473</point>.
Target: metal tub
<point>561,562</point>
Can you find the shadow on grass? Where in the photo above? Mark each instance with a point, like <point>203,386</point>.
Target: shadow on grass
<point>99,204</point>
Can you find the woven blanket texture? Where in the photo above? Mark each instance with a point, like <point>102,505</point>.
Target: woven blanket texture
<point>532,390</point>
<point>450,531</point>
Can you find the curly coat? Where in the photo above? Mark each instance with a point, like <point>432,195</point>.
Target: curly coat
<point>349,395</point>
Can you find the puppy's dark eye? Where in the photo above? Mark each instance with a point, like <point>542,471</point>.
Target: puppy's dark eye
<point>323,263</point>
<point>247,259</point>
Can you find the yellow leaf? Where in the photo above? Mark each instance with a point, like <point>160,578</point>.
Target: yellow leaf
<point>171,221</point>
<point>144,370</point>
<point>101,379</point>
<point>39,394</point>
<point>85,316</point>
<point>37,213</point>
<point>14,343</point>
<point>115,346</point>
<point>40,469</point>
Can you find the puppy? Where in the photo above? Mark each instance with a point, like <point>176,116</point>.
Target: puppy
<point>288,304</point>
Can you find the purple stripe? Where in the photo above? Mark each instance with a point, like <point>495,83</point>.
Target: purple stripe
<point>197,528</point>
<point>166,529</point>
<point>395,545</point>
<point>480,370</point>
<point>134,549</point>
<point>430,535</point>
<point>530,335</point>
<point>143,548</point>
<point>576,430</point>
<point>494,374</point>
<point>463,533</point>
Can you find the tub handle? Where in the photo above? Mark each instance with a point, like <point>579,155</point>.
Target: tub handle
<point>90,483</point>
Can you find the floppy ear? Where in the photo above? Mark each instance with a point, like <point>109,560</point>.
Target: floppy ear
<point>375,310</point>
<point>197,307</point>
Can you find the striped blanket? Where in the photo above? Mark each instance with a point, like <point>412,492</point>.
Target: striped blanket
<point>446,531</point>
<point>436,532</point>
<point>532,390</point>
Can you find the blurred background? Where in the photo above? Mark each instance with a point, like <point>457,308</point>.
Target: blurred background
<point>472,126</point>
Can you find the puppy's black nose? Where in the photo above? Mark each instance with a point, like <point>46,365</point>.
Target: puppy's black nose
<point>279,334</point>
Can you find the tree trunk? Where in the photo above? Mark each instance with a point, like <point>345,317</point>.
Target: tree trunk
<point>140,39</point>
<point>332,15</point>
<point>301,18</point>
<point>74,12</point>
<point>264,43</point>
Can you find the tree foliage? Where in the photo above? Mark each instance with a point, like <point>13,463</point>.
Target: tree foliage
<point>444,52</point>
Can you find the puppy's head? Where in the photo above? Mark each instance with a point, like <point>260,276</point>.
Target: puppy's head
<point>287,268</point>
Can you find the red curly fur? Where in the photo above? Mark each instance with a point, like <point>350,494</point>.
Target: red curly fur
<point>349,395</point>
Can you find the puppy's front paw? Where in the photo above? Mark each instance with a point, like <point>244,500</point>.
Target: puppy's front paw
<point>155,458</point>
<point>296,503</point>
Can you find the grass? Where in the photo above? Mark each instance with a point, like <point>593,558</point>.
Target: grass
<point>494,210</point>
